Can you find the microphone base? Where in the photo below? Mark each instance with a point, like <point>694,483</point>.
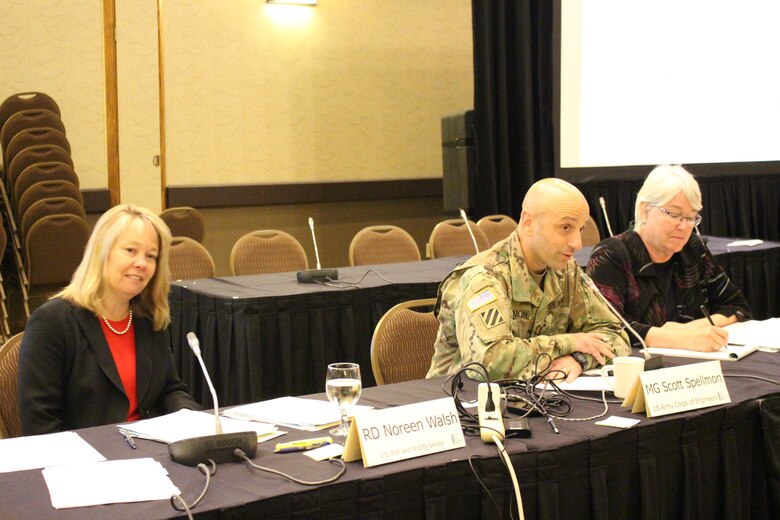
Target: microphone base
<point>317,275</point>
<point>218,448</point>
<point>654,362</point>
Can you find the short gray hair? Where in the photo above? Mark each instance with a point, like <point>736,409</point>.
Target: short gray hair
<point>662,185</point>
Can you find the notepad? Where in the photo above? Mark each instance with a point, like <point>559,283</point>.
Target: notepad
<point>730,353</point>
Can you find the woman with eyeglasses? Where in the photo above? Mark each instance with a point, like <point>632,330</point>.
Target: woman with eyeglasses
<point>661,276</point>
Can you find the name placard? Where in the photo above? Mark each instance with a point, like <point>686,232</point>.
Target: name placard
<point>679,389</point>
<point>403,432</point>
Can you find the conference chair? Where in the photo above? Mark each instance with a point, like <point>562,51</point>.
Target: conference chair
<point>46,190</point>
<point>34,137</point>
<point>267,251</point>
<point>190,260</point>
<point>402,345</point>
<point>497,227</point>
<point>185,222</point>
<point>29,119</point>
<point>590,233</point>
<point>46,207</point>
<point>10,424</point>
<point>47,171</point>
<point>53,249</point>
<point>34,155</point>
<point>451,238</point>
<point>26,101</point>
<point>382,245</point>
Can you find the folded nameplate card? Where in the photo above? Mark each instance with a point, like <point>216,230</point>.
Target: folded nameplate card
<point>678,389</point>
<point>403,432</point>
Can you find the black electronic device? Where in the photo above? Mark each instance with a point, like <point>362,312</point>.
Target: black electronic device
<point>219,447</point>
<point>319,274</point>
<point>518,428</point>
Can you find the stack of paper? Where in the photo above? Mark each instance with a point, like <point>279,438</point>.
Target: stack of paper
<point>40,451</point>
<point>292,412</point>
<point>111,482</point>
<point>186,424</point>
<point>764,334</point>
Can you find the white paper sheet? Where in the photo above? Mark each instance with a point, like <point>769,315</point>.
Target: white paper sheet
<point>40,451</point>
<point>110,482</point>
<point>745,243</point>
<point>765,333</point>
<point>292,412</point>
<point>186,424</point>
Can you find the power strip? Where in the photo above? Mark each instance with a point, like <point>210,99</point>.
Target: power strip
<point>490,421</point>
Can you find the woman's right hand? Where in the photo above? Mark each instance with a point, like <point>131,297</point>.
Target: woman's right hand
<point>696,335</point>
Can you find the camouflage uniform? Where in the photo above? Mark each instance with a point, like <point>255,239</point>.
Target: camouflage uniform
<point>492,311</point>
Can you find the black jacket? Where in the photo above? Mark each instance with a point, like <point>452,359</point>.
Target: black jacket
<point>68,378</point>
<point>628,278</point>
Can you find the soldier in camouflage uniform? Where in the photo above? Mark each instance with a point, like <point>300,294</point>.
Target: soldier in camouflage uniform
<point>521,307</point>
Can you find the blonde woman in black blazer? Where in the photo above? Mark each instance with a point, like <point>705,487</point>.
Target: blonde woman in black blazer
<point>99,351</point>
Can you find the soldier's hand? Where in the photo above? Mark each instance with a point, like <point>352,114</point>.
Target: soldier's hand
<point>595,344</point>
<point>568,365</point>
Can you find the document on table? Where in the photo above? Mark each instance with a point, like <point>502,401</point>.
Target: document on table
<point>186,424</point>
<point>292,412</point>
<point>763,333</point>
<point>110,482</point>
<point>40,451</point>
<point>730,353</point>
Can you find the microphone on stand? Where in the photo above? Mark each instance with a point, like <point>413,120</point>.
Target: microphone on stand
<point>606,218</point>
<point>218,448</point>
<point>652,361</point>
<point>468,227</point>
<point>319,274</point>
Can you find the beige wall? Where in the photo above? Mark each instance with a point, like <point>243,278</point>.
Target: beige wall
<point>351,89</point>
<point>255,93</point>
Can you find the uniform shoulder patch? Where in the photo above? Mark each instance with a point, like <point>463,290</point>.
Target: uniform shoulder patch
<point>481,299</point>
<point>491,317</point>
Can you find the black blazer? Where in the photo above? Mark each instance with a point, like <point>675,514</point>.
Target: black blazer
<point>68,378</point>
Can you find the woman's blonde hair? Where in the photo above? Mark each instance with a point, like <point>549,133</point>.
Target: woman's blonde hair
<point>662,185</point>
<point>87,286</point>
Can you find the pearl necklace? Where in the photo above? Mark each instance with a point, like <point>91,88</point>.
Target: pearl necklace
<point>112,329</point>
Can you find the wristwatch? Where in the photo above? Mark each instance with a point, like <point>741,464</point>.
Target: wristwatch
<point>582,359</point>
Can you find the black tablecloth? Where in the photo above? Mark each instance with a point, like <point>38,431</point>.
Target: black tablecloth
<point>268,335</point>
<point>705,464</point>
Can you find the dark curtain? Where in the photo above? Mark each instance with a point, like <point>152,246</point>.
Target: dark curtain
<point>513,101</point>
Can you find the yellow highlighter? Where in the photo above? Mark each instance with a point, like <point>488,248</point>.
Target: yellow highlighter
<point>302,445</point>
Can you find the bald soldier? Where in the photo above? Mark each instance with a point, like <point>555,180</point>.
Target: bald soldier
<point>521,308</point>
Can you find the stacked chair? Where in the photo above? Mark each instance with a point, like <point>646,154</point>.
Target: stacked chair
<point>43,209</point>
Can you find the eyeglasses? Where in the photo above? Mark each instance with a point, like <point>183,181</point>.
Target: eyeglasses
<point>691,221</point>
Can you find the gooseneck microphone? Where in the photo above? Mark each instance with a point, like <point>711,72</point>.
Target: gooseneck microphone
<point>606,217</point>
<point>192,339</point>
<point>466,221</point>
<point>218,448</point>
<point>651,361</point>
<point>319,274</point>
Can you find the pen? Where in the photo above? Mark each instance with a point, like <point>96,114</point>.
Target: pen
<point>303,445</point>
<point>707,315</point>
<point>552,424</point>
<point>128,438</point>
